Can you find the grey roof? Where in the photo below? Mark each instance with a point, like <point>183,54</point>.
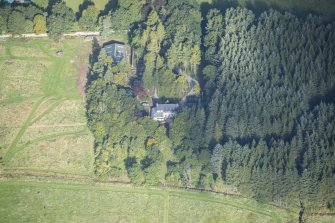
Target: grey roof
<point>116,50</point>
<point>167,107</point>
<point>163,111</point>
<point>156,114</point>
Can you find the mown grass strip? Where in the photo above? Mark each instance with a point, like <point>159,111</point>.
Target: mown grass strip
<point>48,110</point>
<point>49,137</point>
<point>11,149</point>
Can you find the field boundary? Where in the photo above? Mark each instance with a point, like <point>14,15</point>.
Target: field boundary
<point>90,183</point>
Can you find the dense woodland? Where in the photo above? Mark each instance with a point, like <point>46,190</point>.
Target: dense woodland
<point>266,124</point>
<point>270,106</point>
<point>43,17</point>
<point>265,127</point>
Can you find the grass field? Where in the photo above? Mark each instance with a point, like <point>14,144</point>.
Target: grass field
<point>42,118</point>
<point>24,201</point>
<point>74,4</point>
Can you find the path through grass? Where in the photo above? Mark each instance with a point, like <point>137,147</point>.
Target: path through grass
<point>69,202</point>
<point>49,122</point>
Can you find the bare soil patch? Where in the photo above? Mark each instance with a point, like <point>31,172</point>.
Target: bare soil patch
<point>82,79</point>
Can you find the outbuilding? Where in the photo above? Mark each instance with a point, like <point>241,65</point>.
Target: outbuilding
<point>163,112</point>
<point>117,51</point>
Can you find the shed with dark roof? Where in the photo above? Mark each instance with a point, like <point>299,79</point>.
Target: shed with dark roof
<point>117,51</point>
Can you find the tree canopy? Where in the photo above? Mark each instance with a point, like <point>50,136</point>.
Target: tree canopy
<point>60,20</point>
<point>89,19</point>
<point>264,126</point>
<point>40,24</point>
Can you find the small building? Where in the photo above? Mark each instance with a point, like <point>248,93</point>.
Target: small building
<point>162,112</point>
<point>117,51</point>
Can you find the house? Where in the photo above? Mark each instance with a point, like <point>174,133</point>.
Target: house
<point>163,112</point>
<point>117,51</point>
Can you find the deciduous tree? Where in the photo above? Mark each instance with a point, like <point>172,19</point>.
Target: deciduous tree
<point>89,19</point>
<point>40,24</point>
<point>16,22</point>
<point>60,21</point>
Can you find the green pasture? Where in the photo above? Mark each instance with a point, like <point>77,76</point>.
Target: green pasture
<point>75,4</point>
<point>42,118</point>
<point>24,201</point>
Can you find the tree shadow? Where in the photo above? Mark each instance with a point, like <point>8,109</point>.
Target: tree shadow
<point>328,97</point>
<point>50,5</point>
<point>130,161</point>
<point>167,100</point>
<point>83,7</point>
<point>112,42</point>
<point>257,6</point>
<point>92,59</point>
<point>32,3</point>
<point>223,5</point>
<point>112,4</point>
